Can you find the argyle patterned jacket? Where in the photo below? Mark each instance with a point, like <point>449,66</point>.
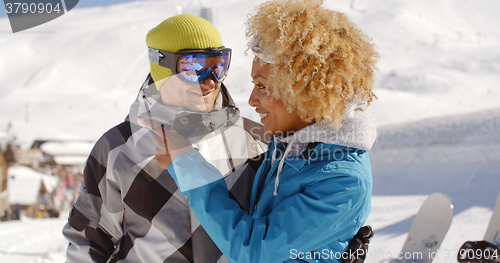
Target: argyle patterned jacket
<point>130,210</point>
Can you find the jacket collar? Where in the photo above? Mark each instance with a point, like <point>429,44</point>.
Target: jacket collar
<point>314,151</point>
<point>357,131</point>
<point>148,105</point>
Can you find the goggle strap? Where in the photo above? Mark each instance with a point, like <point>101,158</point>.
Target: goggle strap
<point>162,58</point>
<point>169,60</point>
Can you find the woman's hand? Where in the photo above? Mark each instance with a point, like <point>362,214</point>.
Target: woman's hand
<point>169,144</point>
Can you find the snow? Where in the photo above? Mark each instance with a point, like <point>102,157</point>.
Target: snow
<point>32,241</point>
<point>76,76</point>
<point>68,152</point>
<point>438,113</point>
<point>456,155</point>
<point>67,148</point>
<point>71,160</point>
<point>23,184</point>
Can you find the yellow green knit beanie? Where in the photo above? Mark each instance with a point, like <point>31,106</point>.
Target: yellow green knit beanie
<point>180,32</point>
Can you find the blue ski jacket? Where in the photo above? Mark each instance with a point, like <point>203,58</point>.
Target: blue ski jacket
<point>306,205</point>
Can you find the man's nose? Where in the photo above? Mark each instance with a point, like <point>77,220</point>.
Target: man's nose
<point>208,84</point>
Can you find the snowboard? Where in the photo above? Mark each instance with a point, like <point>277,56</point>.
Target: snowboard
<point>486,250</point>
<point>492,233</point>
<point>427,231</point>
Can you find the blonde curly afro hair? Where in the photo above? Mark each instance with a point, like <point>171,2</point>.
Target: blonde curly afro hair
<point>322,63</point>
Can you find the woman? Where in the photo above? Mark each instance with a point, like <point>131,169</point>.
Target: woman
<point>313,78</point>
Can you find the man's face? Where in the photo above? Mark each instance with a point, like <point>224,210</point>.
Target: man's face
<point>198,97</point>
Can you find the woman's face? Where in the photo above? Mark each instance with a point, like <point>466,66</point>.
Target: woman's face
<point>273,113</point>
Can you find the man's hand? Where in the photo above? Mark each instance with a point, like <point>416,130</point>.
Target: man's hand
<point>358,247</point>
<point>169,144</point>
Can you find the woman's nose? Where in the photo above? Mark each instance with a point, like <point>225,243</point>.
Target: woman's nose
<point>253,100</point>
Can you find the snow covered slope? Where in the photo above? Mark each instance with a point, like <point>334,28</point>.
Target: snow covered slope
<point>456,155</point>
<point>76,76</point>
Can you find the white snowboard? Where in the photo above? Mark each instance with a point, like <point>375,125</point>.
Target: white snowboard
<point>493,230</point>
<point>427,230</point>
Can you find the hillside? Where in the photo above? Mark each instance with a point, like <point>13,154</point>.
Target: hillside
<point>456,155</point>
<point>438,113</point>
<point>76,76</point>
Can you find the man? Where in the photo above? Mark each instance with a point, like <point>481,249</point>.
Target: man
<point>129,209</point>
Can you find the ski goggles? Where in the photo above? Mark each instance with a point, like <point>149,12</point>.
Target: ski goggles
<point>194,65</point>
